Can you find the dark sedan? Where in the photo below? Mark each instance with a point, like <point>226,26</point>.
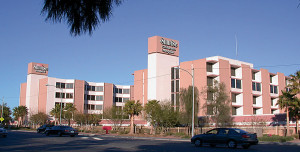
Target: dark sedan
<point>232,137</point>
<point>42,128</point>
<point>61,130</point>
<point>3,132</point>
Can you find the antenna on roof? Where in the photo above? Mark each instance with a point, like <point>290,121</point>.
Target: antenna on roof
<point>236,46</point>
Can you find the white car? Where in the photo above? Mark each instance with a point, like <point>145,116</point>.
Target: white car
<point>3,132</point>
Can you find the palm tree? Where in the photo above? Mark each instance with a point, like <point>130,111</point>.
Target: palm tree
<point>55,112</point>
<point>80,15</point>
<point>19,113</point>
<point>284,102</point>
<point>294,89</point>
<point>69,112</point>
<point>132,108</point>
<point>294,83</point>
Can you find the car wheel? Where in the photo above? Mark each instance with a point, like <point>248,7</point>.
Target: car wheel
<point>59,134</point>
<point>231,144</point>
<point>246,146</point>
<point>212,145</point>
<point>4,136</point>
<point>198,143</point>
<point>47,133</point>
<point>72,135</point>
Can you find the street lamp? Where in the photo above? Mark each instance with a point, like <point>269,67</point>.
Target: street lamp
<point>193,108</point>
<point>60,102</point>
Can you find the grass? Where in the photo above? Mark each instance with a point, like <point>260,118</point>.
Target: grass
<point>275,138</point>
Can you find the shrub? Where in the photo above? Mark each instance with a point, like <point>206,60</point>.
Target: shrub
<point>179,134</point>
<point>275,138</point>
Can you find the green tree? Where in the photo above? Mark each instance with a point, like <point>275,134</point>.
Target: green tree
<point>80,118</point>
<point>19,114</point>
<point>291,100</point>
<point>6,113</point>
<point>153,114</point>
<point>116,115</point>
<point>93,119</point>
<point>284,102</point>
<point>186,100</point>
<point>69,111</point>
<point>132,108</point>
<point>169,117</point>
<point>81,15</point>
<point>39,118</point>
<point>218,104</point>
<point>55,112</point>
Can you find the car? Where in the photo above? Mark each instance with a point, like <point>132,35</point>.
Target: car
<point>42,128</point>
<point>61,130</point>
<point>3,132</point>
<point>232,137</point>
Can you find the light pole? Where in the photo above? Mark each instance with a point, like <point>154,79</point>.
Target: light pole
<point>193,108</point>
<point>2,109</point>
<point>60,95</point>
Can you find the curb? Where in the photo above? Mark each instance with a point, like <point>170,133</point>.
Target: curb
<point>134,137</point>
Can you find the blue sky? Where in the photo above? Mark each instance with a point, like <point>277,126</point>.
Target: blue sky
<point>268,33</point>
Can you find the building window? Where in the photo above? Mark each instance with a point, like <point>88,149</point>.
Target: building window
<point>177,85</point>
<point>233,97</point>
<point>69,95</point>
<point>233,71</point>
<point>271,79</point>
<point>209,67</point>
<point>99,88</point>
<point>210,96</point>
<point>256,86</point>
<point>118,99</point>
<point>125,99</point>
<point>233,110</point>
<point>210,110</point>
<point>60,85</point>
<point>59,103</point>
<point>126,91</point>
<point>273,89</point>
<point>254,111</point>
<point>99,107</point>
<point>254,100</point>
<point>172,85</point>
<point>210,81</point>
<point>253,75</point>
<point>177,73</point>
<point>273,111</point>
<point>273,102</point>
<point>59,95</point>
<point>236,83</point>
<point>99,98</point>
<point>69,85</point>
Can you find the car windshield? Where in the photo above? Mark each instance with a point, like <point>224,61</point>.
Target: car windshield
<point>240,131</point>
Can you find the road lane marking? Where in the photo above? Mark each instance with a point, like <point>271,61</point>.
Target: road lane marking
<point>97,138</point>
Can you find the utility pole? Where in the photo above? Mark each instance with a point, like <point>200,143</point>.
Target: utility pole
<point>2,110</point>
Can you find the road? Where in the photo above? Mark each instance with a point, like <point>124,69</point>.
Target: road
<point>29,141</point>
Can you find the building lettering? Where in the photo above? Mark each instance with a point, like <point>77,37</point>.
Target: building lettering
<point>40,68</point>
<point>168,46</point>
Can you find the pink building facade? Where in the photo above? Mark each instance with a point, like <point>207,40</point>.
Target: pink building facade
<point>41,93</point>
<point>253,92</point>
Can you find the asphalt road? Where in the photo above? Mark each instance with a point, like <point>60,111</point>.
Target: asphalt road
<point>29,141</point>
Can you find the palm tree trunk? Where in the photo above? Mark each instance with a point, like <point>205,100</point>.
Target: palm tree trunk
<point>131,124</point>
<point>297,125</point>
<point>287,121</point>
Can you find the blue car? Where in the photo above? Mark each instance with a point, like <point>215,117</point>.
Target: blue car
<point>232,137</point>
<point>3,132</point>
